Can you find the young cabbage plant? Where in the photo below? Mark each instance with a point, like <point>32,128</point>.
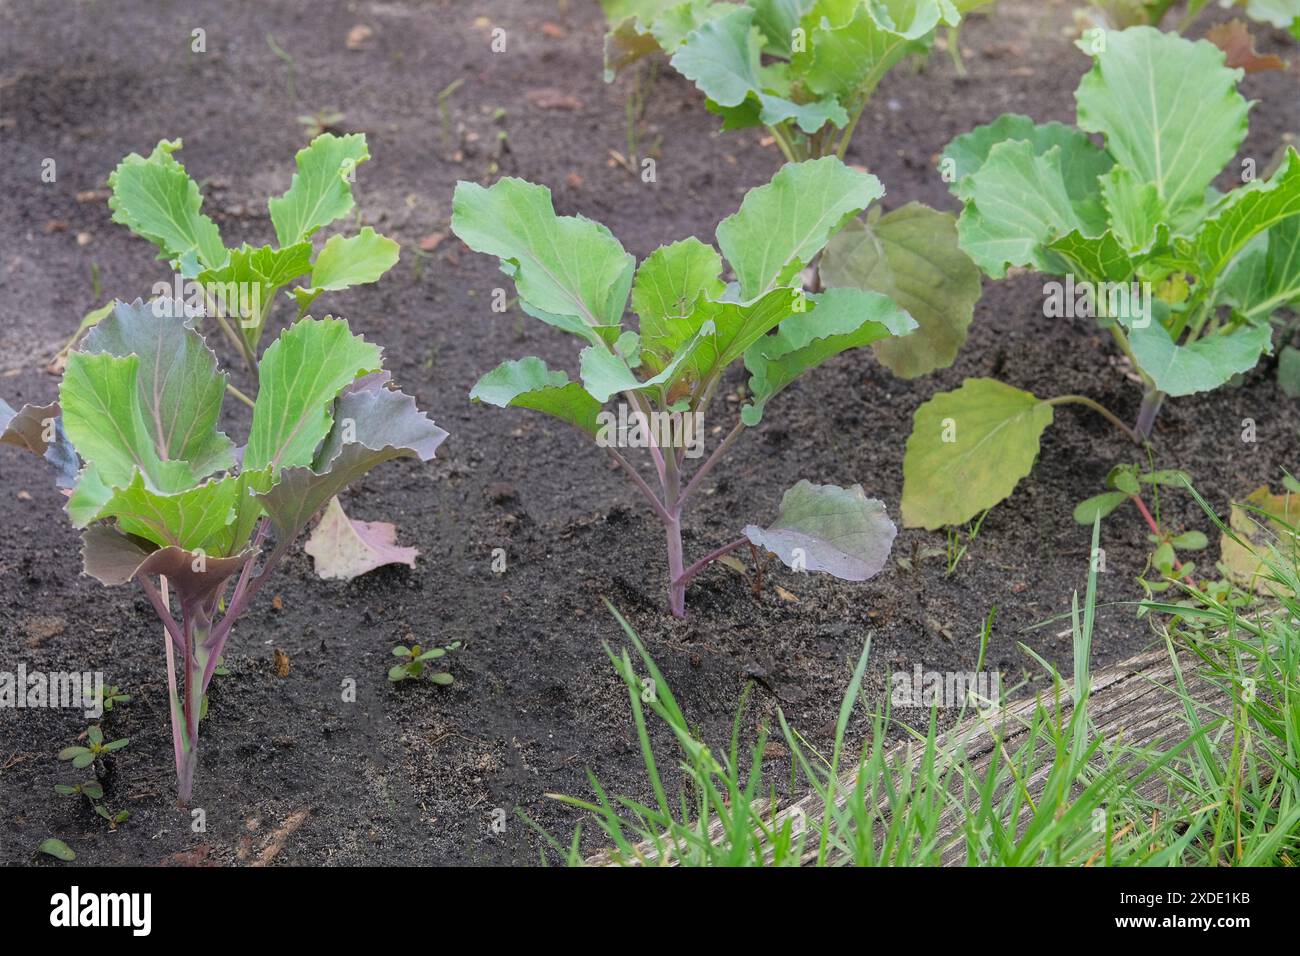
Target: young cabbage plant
<point>573,274</point>
<point>157,200</point>
<point>824,59</point>
<point>1185,279</point>
<point>805,69</point>
<point>1119,14</point>
<point>162,494</point>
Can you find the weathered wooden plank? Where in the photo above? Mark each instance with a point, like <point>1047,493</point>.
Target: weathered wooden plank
<point>1131,702</point>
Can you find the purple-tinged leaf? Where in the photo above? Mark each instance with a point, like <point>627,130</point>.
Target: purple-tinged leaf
<point>114,558</point>
<point>39,430</point>
<point>372,424</point>
<point>827,528</point>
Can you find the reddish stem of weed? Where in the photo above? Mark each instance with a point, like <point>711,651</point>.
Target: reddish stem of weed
<point>1155,528</point>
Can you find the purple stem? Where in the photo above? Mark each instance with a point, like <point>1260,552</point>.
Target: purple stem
<point>160,607</point>
<point>191,705</point>
<point>247,571</point>
<point>1150,408</point>
<point>238,605</point>
<point>673,528</point>
<point>646,490</point>
<point>713,555</point>
<point>173,709</point>
<point>635,401</point>
<point>676,586</point>
<point>669,511</point>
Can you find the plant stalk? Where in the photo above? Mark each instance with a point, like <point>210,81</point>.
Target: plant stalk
<point>1154,526</point>
<point>1150,408</point>
<point>673,527</point>
<point>178,740</point>
<point>240,395</point>
<point>676,569</point>
<point>713,555</point>
<point>1101,410</point>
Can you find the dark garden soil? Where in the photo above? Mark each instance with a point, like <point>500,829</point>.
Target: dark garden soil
<point>413,774</point>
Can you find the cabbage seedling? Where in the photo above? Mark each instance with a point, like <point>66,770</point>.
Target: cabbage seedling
<point>571,273</point>
<point>1282,14</point>
<point>162,494</point>
<point>157,200</point>
<point>1184,278</point>
<point>806,69</point>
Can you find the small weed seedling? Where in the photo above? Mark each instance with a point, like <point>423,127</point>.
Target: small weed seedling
<point>320,122</point>
<point>96,747</point>
<point>959,543</point>
<point>91,790</point>
<point>1184,279</point>
<point>94,793</point>
<point>418,663</point>
<point>1125,483</point>
<point>110,697</point>
<point>573,274</point>
<point>56,848</point>
<point>160,496</point>
<point>115,819</point>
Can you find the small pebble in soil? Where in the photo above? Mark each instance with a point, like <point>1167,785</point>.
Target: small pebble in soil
<point>500,492</point>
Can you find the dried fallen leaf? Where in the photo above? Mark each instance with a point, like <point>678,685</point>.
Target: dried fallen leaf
<point>1245,564</point>
<point>358,36</point>
<point>281,663</point>
<point>554,31</point>
<point>277,603</point>
<point>197,856</point>
<point>92,195</point>
<point>617,158</point>
<point>734,564</point>
<point>785,595</point>
<point>549,98</point>
<point>41,628</point>
<point>1234,39</point>
<point>432,241</point>
<point>24,496</point>
<point>56,225</point>
<point>277,840</point>
<point>345,549</point>
<point>574,180</point>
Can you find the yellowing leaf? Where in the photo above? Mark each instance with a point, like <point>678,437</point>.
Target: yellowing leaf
<point>968,450</point>
<point>1246,564</point>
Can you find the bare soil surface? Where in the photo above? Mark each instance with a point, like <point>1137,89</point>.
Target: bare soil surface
<point>413,774</point>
